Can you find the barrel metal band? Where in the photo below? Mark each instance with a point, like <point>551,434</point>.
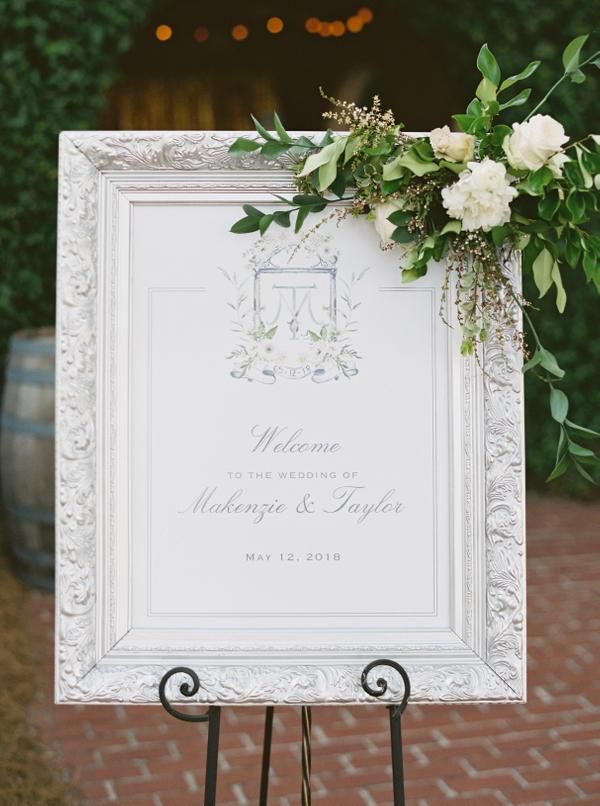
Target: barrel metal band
<point>25,347</point>
<point>19,426</point>
<point>25,513</point>
<point>39,377</point>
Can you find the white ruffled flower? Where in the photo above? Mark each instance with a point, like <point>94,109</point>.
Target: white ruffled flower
<point>452,146</point>
<point>266,350</point>
<point>536,143</point>
<point>481,196</point>
<point>383,227</point>
<point>556,163</point>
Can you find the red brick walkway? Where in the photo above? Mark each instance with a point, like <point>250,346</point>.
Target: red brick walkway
<point>545,752</point>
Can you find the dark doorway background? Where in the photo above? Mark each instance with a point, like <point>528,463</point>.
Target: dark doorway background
<point>202,77</point>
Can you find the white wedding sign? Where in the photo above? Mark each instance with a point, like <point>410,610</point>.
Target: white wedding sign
<point>273,464</point>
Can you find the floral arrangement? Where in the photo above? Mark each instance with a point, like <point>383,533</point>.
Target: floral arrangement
<point>469,198</point>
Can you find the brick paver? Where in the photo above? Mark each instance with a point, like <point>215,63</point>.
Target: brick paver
<point>545,752</point>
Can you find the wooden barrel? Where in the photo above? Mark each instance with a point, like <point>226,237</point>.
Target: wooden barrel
<point>27,454</point>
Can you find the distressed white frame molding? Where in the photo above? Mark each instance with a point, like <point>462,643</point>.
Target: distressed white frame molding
<point>98,659</point>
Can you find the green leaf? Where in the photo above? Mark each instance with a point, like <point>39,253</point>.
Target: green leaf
<point>499,235</point>
<point>280,129</point>
<point>571,53</point>
<point>452,226</point>
<point>329,153</point>
<point>528,71</point>
<point>402,235</point>
<point>423,150</point>
<point>499,134</point>
<point>273,149</point>
<point>464,121</point>
<point>486,90</point>
<point>590,265</point>
<point>409,275</point>
<point>561,294</point>
<point>579,450</point>
<point>400,218</point>
<point>548,206</point>
<point>559,468</point>
<point>576,205</point>
<point>338,186</point>
<point>252,212</point>
<point>350,148</point>
<point>455,167</point>
<point>572,247</point>
<point>517,100</point>
<point>265,222</point>
<point>588,180</point>
<point>542,271</point>
<point>587,433</point>
<point>583,472</point>
<point>578,77</point>
<point>327,174</point>
<point>261,129</point>
<point>533,362</point>
<point>538,180</point>
<point>282,218</point>
<point>270,333</point>
<point>394,169</point>
<point>243,145</point>
<point>303,199</point>
<point>390,187</point>
<point>246,224</point>
<point>475,108</point>
<point>488,66</point>
<point>301,217</point>
<point>550,364</point>
<point>559,405</point>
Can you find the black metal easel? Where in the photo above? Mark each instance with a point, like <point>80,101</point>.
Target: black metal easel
<point>213,717</point>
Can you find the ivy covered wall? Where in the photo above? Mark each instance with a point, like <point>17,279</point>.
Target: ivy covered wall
<point>57,60</point>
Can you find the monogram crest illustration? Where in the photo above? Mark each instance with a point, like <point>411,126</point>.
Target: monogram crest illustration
<point>294,314</point>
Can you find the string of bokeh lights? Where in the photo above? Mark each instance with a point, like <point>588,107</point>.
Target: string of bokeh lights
<point>275,25</point>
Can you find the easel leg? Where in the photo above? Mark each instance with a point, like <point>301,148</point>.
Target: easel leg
<point>306,756</point>
<point>266,758</point>
<point>212,755</point>
<point>397,760</point>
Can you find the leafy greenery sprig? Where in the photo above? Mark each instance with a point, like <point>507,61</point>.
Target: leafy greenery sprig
<point>467,198</point>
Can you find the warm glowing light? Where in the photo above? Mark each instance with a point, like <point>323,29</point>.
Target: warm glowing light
<point>163,33</point>
<point>313,25</point>
<point>354,24</point>
<point>365,14</point>
<point>325,28</point>
<point>201,34</point>
<point>337,28</point>
<point>239,33</point>
<point>274,25</point>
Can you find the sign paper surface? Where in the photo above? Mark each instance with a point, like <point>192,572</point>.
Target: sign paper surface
<point>291,422</point>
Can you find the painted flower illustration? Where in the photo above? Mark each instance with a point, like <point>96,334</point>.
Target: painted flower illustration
<point>293,323</point>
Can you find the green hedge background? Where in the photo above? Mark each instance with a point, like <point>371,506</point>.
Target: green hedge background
<point>59,57</point>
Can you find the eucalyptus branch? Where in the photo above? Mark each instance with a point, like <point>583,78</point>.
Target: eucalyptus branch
<point>557,84</point>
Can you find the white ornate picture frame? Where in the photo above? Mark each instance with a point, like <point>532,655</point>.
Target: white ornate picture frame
<point>132,207</point>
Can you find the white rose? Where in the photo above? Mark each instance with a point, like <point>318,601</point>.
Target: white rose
<point>556,163</point>
<point>481,196</point>
<point>452,146</point>
<point>383,227</point>
<point>534,143</point>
